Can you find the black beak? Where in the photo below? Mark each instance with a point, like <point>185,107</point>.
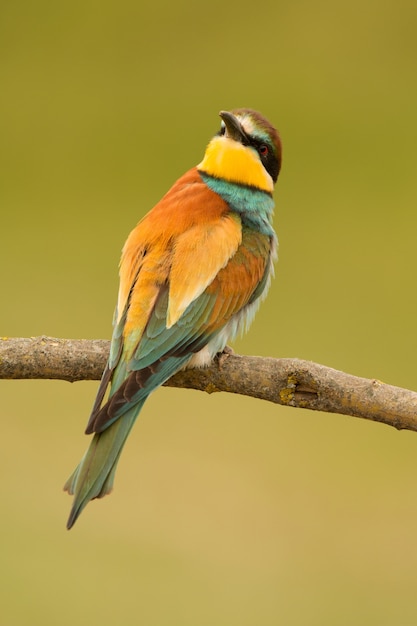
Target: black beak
<point>234,129</point>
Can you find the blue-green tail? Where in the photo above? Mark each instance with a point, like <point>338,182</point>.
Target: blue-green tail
<point>94,476</point>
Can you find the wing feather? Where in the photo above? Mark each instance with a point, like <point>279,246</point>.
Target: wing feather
<point>181,282</point>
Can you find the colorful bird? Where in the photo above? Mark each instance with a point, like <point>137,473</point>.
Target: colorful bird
<point>192,275</point>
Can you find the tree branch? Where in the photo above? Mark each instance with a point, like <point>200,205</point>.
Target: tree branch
<point>290,382</point>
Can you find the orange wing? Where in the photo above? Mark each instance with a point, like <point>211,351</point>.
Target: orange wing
<point>186,270</point>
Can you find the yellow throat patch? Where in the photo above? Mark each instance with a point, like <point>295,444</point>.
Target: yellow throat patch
<point>230,160</point>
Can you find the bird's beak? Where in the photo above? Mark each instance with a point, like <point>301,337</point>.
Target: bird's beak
<point>234,129</point>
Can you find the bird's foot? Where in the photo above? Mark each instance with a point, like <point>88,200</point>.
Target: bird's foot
<point>222,357</point>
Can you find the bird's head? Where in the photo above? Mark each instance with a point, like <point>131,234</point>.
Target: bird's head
<point>246,150</point>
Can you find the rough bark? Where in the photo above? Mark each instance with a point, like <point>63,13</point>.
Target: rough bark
<point>290,382</point>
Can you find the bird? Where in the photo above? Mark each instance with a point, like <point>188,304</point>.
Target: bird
<point>192,275</point>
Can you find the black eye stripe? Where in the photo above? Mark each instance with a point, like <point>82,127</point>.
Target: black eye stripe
<point>270,159</point>
<point>258,143</point>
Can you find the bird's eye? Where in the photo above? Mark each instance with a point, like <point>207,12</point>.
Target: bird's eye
<point>263,150</point>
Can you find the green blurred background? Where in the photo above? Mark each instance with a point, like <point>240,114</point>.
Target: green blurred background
<point>226,511</point>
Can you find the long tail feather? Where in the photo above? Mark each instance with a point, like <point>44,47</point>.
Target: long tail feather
<point>94,476</point>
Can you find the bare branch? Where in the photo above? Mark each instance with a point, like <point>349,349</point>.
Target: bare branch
<point>290,382</point>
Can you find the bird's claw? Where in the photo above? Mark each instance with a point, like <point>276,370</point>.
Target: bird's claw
<point>222,357</point>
